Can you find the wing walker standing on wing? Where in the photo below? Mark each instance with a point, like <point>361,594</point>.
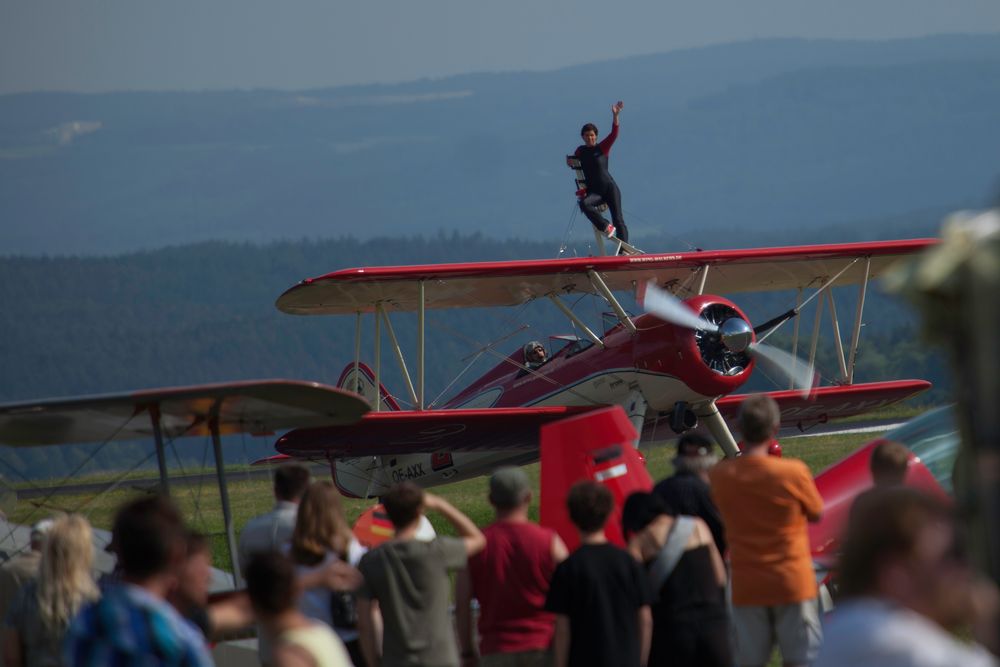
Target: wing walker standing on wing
<point>596,190</point>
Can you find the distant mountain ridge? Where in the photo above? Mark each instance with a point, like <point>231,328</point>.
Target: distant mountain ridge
<point>772,135</point>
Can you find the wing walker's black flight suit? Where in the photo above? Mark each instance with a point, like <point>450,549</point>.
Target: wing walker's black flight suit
<point>600,186</point>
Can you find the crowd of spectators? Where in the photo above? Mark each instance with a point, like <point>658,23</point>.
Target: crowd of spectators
<point>715,572</point>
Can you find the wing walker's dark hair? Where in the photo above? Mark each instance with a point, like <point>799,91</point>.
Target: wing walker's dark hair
<point>149,535</point>
<point>588,126</point>
<point>291,481</point>
<point>402,503</point>
<point>589,505</point>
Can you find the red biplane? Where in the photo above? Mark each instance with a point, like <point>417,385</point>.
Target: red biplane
<point>669,368</point>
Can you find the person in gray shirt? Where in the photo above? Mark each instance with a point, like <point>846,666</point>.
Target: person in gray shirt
<point>410,582</point>
<point>272,531</point>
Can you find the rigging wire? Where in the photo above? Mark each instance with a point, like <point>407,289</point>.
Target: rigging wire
<point>51,490</point>
<point>506,359</point>
<point>689,244</point>
<point>569,228</point>
<point>117,482</point>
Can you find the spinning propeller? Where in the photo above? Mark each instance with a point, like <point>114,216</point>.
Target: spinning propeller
<point>726,339</point>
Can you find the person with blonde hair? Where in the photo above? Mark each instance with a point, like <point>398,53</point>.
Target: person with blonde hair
<point>132,623</point>
<point>42,611</point>
<point>320,539</point>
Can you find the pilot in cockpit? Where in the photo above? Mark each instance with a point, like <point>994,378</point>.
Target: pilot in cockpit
<point>534,354</point>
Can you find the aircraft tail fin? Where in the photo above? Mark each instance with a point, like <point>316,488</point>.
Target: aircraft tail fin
<point>362,383</point>
<point>594,446</point>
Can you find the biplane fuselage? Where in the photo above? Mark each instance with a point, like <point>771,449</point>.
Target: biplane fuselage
<point>662,360</point>
<point>649,373</point>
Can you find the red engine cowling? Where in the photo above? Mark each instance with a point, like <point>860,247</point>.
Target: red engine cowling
<point>701,358</point>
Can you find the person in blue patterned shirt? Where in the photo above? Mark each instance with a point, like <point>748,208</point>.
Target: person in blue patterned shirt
<point>132,623</point>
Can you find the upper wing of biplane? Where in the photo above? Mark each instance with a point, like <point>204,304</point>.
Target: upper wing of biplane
<point>258,406</point>
<point>480,284</point>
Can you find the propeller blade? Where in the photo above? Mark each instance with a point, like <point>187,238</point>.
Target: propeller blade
<point>669,308</point>
<point>801,373</point>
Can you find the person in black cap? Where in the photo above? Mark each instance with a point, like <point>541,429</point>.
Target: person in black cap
<point>687,490</point>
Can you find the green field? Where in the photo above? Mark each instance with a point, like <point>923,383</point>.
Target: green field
<point>249,497</point>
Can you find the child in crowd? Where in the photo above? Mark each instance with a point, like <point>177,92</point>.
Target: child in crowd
<point>599,594</point>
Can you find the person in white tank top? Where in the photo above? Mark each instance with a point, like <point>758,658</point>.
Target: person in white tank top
<point>296,640</point>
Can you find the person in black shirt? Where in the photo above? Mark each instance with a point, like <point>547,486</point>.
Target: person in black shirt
<point>687,578</point>
<point>601,188</point>
<point>599,594</point>
<point>687,491</point>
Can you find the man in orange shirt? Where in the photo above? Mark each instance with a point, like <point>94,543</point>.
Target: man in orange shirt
<point>765,503</point>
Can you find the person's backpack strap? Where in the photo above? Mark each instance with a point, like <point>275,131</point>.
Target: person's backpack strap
<point>671,552</point>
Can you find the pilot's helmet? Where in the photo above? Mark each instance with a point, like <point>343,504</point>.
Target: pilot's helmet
<point>534,352</point>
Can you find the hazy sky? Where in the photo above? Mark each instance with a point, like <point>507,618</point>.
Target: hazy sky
<point>98,45</point>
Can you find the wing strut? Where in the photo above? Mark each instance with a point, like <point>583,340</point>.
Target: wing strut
<point>704,276</point>
<point>399,354</point>
<point>795,334</point>
<point>220,475</point>
<point>378,357</point>
<point>815,332</point>
<point>576,320</point>
<point>421,294</point>
<point>718,428</point>
<point>357,349</point>
<point>856,335</point>
<point>161,460</point>
<point>838,343</point>
<point>600,286</point>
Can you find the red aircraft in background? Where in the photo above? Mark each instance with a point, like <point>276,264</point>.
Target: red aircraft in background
<point>933,441</point>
